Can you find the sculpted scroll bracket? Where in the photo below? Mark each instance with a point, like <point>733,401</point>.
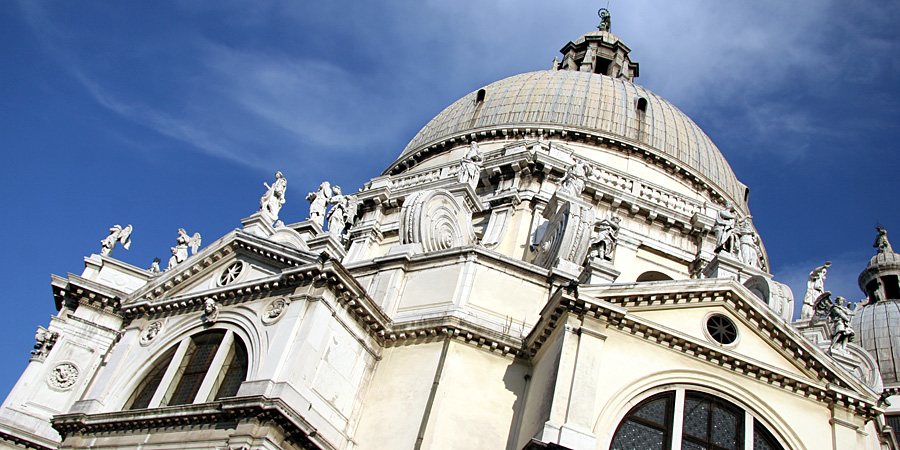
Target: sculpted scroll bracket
<point>568,233</point>
<point>437,220</point>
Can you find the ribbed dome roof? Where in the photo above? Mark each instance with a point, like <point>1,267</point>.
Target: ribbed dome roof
<point>589,103</point>
<point>878,329</point>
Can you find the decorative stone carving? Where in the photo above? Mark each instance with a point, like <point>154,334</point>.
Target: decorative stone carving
<point>231,273</point>
<point>881,241</point>
<point>815,286</point>
<point>838,315</point>
<point>749,243</point>
<point>342,213</point>
<point>723,229</point>
<point>45,341</point>
<point>211,311</point>
<point>575,179</point>
<point>116,234</point>
<point>271,202</point>
<point>180,250</point>
<point>150,332</point>
<point>435,219</point>
<point>470,167</point>
<point>63,376</point>
<point>568,234</point>
<point>604,243</point>
<point>318,202</point>
<point>274,310</point>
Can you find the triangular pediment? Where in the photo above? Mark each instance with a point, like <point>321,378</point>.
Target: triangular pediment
<point>236,258</point>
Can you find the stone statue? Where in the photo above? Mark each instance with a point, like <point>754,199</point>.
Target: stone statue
<point>180,250</point>
<point>605,20</point>
<point>724,228</point>
<point>604,243</point>
<point>815,287</point>
<point>45,341</point>
<point>211,310</point>
<point>154,266</point>
<point>318,202</point>
<point>838,315</point>
<point>341,215</point>
<point>116,234</point>
<point>470,167</point>
<point>575,179</point>
<point>881,241</point>
<point>749,243</point>
<point>271,202</point>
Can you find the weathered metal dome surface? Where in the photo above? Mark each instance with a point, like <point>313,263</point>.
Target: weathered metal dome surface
<point>585,102</point>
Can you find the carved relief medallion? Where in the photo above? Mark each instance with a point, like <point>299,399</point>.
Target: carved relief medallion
<point>150,332</point>
<point>274,311</point>
<point>63,376</point>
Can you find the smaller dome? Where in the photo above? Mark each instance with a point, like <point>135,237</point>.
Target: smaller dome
<point>885,260</point>
<point>881,278</point>
<point>878,329</point>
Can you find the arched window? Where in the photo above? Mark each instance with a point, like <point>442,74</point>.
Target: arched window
<point>201,368</point>
<point>652,275</point>
<point>691,420</point>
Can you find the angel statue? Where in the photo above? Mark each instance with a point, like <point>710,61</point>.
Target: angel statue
<point>838,315</point>
<point>116,234</point>
<point>723,229</point>
<point>470,167</point>
<point>815,287</point>
<point>575,179</point>
<point>881,241</point>
<point>271,202</point>
<point>318,201</point>
<point>180,250</point>
<point>342,213</point>
<point>603,245</point>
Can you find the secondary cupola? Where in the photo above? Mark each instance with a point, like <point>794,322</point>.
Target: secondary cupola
<point>599,52</point>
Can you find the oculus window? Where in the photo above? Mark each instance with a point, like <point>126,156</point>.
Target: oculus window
<point>202,368</point>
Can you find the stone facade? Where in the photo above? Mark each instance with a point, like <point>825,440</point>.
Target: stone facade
<point>464,304</point>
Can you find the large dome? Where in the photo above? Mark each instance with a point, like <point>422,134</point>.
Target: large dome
<point>588,103</point>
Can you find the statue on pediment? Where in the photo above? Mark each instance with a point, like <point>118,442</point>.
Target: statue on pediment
<point>154,266</point>
<point>318,202</point>
<point>575,179</point>
<point>271,202</point>
<point>180,250</point>
<point>470,167</point>
<point>749,243</point>
<point>836,312</point>
<point>341,215</point>
<point>116,234</point>
<point>815,287</point>
<point>723,229</point>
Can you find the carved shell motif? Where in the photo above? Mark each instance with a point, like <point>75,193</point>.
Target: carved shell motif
<point>435,219</point>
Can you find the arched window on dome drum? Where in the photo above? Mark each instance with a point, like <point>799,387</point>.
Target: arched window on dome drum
<point>201,368</point>
<point>704,422</point>
<point>652,275</point>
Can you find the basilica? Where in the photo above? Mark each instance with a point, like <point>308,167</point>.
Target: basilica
<point>561,259</point>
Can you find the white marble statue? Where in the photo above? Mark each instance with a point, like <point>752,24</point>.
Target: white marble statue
<point>342,213</point>
<point>470,167</point>
<point>154,266</point>
<point>749,243</point>
<point>116,234</point>
<point>271,202</point>
<point>603,245</point>
<point>838,315</point>
<point>575,178</point>
<point>815,287</point>
<point>318,202</point>
<point>180,250</point>
<point>723,229</point>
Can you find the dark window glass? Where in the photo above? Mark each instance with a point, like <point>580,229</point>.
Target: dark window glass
<point>711,423</point>
<point>647,426</point>
<point>763,439</point>
<point>235,373</point>
<point>147,388</point>
<point>196,364</point>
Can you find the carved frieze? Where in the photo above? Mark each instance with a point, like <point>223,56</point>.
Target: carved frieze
<point>435,219</point>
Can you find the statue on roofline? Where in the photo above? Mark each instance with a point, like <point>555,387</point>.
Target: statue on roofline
<point>470,167</point>
<point>603,245</point>
<point>723,229</point>
<point>341,215</point>
<point>116,234</point>
<point>881,241</point>
<point>575,179</point>
<point>815,287</point>
<point>318,202</point>
<point>180,250</point>
<point>271,202</point>
<point>838,315</point>
<point>605,20</point>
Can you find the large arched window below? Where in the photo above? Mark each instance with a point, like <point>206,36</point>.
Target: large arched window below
<point>691,420</point>
<point>201,368</point>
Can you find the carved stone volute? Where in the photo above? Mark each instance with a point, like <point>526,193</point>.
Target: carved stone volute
<point>435,219</point>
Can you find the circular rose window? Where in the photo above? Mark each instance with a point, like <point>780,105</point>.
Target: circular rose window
<point>231,273</point>
<point>721,329</point>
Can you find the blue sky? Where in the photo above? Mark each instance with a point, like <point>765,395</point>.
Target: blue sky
<point>173,113</point>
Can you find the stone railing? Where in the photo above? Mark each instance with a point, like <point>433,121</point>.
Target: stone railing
<point>423,177</point>
<point>646,191</point>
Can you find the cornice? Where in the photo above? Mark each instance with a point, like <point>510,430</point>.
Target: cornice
<point>76,290</point>
<point>258,408</point>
